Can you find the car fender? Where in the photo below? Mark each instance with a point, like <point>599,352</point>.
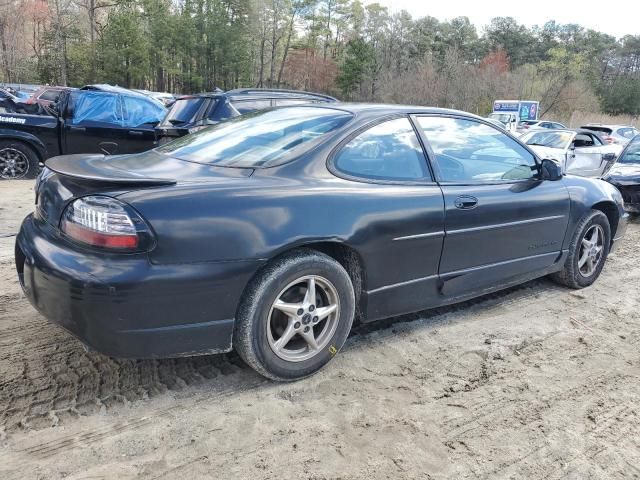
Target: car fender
<point>589,193</point>
<point>26,137</point>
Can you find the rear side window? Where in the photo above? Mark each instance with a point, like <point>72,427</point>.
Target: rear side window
<point>387,151</point>
<point>246,106</point>
<point>627,132</point>
<point>468,151</point>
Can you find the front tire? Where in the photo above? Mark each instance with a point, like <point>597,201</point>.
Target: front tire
<point>295,315</point>
<point>588,251</point>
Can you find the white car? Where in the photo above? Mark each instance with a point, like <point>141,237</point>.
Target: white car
<point>579,152</point>
<point>620,134</point>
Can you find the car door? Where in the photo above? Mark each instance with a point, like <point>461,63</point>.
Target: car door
<point>586,156</point>
<point>502,222</point>
<point>401,226</point>
<point>93,123</point>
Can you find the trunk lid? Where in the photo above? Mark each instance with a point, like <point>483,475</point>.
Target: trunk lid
<point>68,177</point>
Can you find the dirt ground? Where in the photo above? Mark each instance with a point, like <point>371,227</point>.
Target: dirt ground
<point>537,382</point>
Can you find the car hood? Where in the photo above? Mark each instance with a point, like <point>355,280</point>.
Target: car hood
<point>624,174</point>
<point>547,152</point>
<point>142,168</point>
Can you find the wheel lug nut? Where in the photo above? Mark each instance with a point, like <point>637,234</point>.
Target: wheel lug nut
<point>300,311</point>
<point>306,329</point>
<point>296,325</point>
<point>312,308</point>
<point>315,319</point>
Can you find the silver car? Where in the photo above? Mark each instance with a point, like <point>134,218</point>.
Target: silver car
<point>579,152</point>
<point>527,125</point>
<point>615,134</point>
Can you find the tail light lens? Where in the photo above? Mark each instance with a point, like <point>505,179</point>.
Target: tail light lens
<point>104,222</point>
<point>609,139</point>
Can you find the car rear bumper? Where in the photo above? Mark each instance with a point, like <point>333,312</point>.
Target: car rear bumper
<point>125,306</point>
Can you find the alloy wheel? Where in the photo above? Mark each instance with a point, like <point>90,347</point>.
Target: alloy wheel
<point>303,318</point>
<point>591,248</point>
<point>13,163</point>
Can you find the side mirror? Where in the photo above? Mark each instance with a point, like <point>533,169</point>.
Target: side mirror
<point>550,170</point>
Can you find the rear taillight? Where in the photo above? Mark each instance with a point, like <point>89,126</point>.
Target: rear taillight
<point>103,222</point>
<point>609,139</point>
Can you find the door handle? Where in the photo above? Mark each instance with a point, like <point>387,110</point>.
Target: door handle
<point>465,202</point>
<point>78,129</point>
<point>136,133</point>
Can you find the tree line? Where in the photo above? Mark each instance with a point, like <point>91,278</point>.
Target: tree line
<point>356,51</point>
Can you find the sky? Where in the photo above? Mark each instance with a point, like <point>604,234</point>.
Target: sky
<point>618,18</point>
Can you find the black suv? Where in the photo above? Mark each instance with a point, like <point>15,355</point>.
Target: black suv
<point>190,113</point>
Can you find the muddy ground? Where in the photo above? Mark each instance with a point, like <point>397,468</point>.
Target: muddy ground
<point>537,382</point>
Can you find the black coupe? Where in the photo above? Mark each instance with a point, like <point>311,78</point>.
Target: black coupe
<point>271,232</point>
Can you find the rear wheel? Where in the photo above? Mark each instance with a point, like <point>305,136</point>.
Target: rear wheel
<point>295,315</point>
<point>587,252</point>
<point>17,160</point>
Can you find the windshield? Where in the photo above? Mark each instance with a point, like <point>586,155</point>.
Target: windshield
<point>183,111</point>
<point>501,117</point>
<point>548,139</point>
<point>632,153</point>
<point>261,139</point>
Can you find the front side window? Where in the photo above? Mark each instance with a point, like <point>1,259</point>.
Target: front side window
<point>260,139</point>
<point>387,151</point>
<point>468,151</point>
<point>632,152</point>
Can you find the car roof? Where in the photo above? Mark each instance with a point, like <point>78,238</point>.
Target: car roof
<point>606,125</point>
<point>379,109</point>
<point>258,93</point>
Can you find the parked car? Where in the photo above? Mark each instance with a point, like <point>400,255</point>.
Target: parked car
<point>95,119</point>
<point>10,103</point>
<point>579,152</point>
<point>47,96</point>
<point>190,113</point>
<point>625,175</point>
<point>616,134</point>
<point>272,231</point>
<point>527,125</point>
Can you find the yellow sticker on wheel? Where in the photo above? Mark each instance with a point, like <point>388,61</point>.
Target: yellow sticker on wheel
<point>333,350</point>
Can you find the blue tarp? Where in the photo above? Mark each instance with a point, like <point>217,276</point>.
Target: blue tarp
<point>121,110</point>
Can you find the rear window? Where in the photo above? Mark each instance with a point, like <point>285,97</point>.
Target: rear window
<point>184,111</point>
<point>594,128</point>
<point>260,139</point>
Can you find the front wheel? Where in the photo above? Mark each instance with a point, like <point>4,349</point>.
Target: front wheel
<point>587,252</point>
<point>295,316</point>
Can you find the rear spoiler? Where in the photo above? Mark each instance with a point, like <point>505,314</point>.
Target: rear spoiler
<point>95,169</point>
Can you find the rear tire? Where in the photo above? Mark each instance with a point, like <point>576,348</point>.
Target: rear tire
<point>18,160</point>
<point>285,332</point>
<point>588,251</point>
